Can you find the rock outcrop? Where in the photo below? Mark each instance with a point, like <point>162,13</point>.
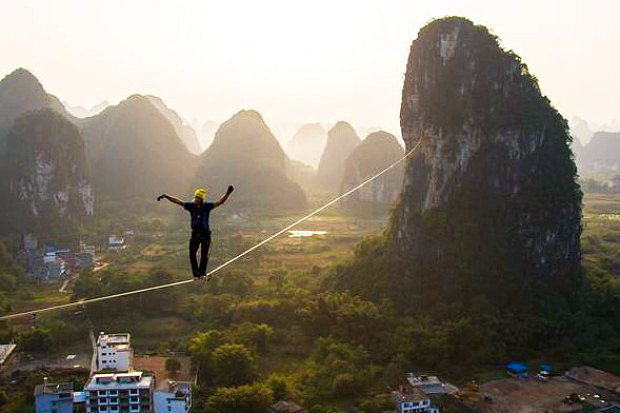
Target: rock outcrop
<point>376,152</point>
<point>341,140</point>
<point>46,174</point>
<point>308,144</point>
<point>135,152</point>
<point>21,92</point>
<point>490,199</point>
<point>245,153</point>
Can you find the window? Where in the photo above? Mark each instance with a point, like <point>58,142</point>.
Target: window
<point>169,408</point>
<point>104,361</point>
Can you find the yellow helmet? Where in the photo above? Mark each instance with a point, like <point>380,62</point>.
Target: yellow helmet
<point>200,193</point>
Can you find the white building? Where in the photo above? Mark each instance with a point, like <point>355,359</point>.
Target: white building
<point>114,352</point>
<point>428,384</point>
<point>116,242</point>
<point>172,396</point>
<point>120,392</point>
<point>409,399</point>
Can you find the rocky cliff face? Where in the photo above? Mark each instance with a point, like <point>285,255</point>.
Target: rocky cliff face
<point>245,153</point>
<point>341,140</point>
<point>21,92</point>
<point>308,143</point>
<point>491,195</point>
<point>376,152</point>
<point>135,152</point>
<point>46,171</point>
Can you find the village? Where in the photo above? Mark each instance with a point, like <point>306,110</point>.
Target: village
<point>119,381</point>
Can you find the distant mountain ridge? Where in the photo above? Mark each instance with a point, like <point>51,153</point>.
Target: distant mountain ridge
<point>601,154</point>
<point>183,130</point>
<point>80,111</point>
<point>376,152</point>
<point>246,154</point>
<point>341,141</point>
<point>21,92</point>
<point>135,151</point>
<point>308,143</point>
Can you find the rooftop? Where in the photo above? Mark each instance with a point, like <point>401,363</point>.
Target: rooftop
<point>54,388</point>
<point>423,380</point>
<point>179,388</point>
<point>408,394</point>
<point>135,379</point>
<point>114,339</point>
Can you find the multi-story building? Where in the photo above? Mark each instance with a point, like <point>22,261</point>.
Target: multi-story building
<point>130,392</point>
<point>408,399</point>
<point>114,352</point>
<point>53,398</point>
<point>173,396</point>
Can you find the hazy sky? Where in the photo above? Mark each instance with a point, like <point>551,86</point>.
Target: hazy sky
<point>297,60</point>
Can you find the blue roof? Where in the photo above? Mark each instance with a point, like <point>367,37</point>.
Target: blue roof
<point>516,368</point>
<point>545,367</point>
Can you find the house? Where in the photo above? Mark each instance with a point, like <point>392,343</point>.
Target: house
<point>173,396</point>
<point>408,399</point>
<point>130,392</point>
<point>53,398</point>
<point>116,242</point>
<point>286,407</point>
<point>114,352</point>
<point>516,369</point>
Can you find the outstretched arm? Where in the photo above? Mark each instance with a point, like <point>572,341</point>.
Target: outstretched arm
<point>171,198</point>
<point>224,197</point>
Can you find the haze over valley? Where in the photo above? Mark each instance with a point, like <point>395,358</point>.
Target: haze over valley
<point>330,207</point>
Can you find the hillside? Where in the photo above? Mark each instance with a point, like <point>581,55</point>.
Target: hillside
<point>341,140</point>
<point>21,92</point>
<point>46,179</point>
<point>245,153</point>
<point>135,152</point>
<point>182,129</point>
<point>375,153</point>
<point>308,144</point>
<point>490,212</point>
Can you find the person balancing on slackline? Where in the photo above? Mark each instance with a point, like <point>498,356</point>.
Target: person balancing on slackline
<point>199,210</point>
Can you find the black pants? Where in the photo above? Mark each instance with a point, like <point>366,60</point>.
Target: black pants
<point>202,240</point>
